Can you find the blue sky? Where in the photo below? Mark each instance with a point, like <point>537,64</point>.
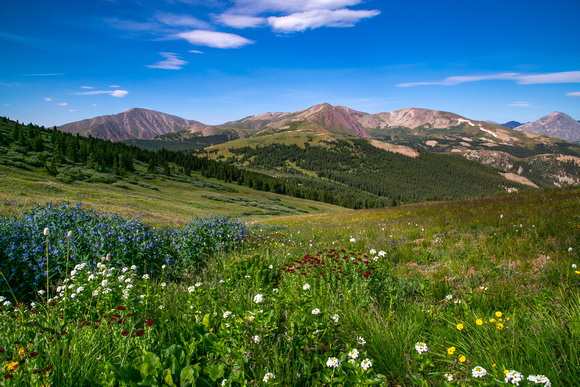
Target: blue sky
<point>216,60</point>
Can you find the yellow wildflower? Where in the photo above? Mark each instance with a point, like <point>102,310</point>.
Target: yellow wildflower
<point>505,372</point>
<point>493,365</point>
<point>492,320</point>
<point>462,358</point>
<point>12,366</point>
<point>459,326</point>
<point>498,314</point>
<point>450,350</point>
<point>479,321</point>
<point>499,326</point>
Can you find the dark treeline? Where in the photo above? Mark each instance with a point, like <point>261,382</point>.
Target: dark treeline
<point>357,164</point>
<point>60,152</point>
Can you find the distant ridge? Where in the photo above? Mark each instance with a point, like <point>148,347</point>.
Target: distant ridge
<point>555,124</point>
<point>136,123</point>
<point>512,124</point>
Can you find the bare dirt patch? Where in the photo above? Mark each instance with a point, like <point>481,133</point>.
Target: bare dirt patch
<point>404,150</point>
<point>518,179</point>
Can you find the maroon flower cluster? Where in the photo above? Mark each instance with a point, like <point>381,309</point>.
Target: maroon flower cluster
<point>328,264</point>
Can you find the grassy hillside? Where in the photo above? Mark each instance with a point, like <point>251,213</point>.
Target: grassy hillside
<point>34,171</point>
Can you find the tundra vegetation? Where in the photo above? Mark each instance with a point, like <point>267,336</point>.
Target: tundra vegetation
<point>472,292</point>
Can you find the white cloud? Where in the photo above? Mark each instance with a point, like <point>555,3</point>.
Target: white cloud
<point>240,21</point>
<point>113,93</point>
<point>573,94</point>
<point>214,39</point>
<point>319,18</point>
<point>87,87</point>
<point>61,104</point>
<point>289,6</point>
<point>72,110</point>
<point>48,99</point>
<point>171,62</point>
<point>196,52</point>
<point>562,77</point>
<point>114,86</point>
<point>519,104</point>
<point>174,20</point>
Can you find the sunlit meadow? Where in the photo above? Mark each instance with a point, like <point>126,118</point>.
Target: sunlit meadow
<point>480,292</point>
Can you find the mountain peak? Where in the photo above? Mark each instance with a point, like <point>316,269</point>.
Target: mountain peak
<point>555,124</point>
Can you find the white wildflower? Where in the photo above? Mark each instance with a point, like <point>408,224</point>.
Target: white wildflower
<point>353,354</point>
<point>332,362</point>
<point>145,276</point>
<point>268,376</point>
<point>227,314</point>
<point>306,287</point>
<point>191,289</point>
<point>366,364</point>
<point>421,347</point>
<point>478,372</point>
<point>256,339</point>
<point>361,341</point>
<point>315,311</point>
<point>335,318</point>
<point>449,377</point>
<point>514,377</point>
<point>258,298</point>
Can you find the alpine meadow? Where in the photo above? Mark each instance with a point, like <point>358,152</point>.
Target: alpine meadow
<point>107,279</point>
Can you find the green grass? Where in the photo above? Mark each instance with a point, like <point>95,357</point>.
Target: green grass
<point>484,283</point>
<point>154,198</point>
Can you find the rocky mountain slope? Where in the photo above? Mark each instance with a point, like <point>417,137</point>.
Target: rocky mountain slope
<point>137,123</point>
<point>555,124</point>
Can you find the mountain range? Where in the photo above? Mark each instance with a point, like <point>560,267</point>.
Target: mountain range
<point>533,159</point>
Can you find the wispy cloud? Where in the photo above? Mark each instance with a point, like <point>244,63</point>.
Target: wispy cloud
<point>522,79</point>
<point>261,6</point>
<point>241,21</point>
<point>519,104</point>
<point>171,62</point>
<point>573,94</point>
<point>196,52</point>
<point>302,21</point>
<point>113,93</point>
<point>61,104</point>
<point>214,39</point>
<point>175,20</point>
<point>48,99</point>
<point>116,86</point>
<point>87,87</point>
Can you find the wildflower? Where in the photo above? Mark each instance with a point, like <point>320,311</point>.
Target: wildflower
<point>574,266</point>
<point>306,287</point>
<point>139,332</point>
<point>366,364</point>
<point>145,276</point>
<point>198,284</point>
<point>256,339</point>
<point>270,267</point>
<point>267,377</point>
<point>73,295</point>
<point>498,314</point>
<point>80,289</point>
<point>492,320</point>
<point>353,354</point>
<point>569,249</point>
<point>124,333</point>
<point>335,318</point>
<point>315,311</point>
<point>459,327</point>
<point>332,362</point>
<point>421,347</point>
<point>449,377</point>
<point>12,366</point>
<point>499,326</point>
<point>95,293</point>
<point>479,321</point>
<point>540,379</point>
<point>462,359</point>
<point>373,251</point>
<point>360,340</point>
<point>449,297</point>
<point>514,377</point>
<point>224,382</point>
<point>458,301</point>
<point>133,267</point>
<point>352,240</point>
<point>104,283</point>
<point>163,267</point>
<point>352,361</point>
<point>478,372</point>
<point>226,314</point>
<point>258,298</point>
<point>382,253</point>
<point>191,289</point>
<point>46,232</point>
<point>450,350</point>
<point>163,284</point>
